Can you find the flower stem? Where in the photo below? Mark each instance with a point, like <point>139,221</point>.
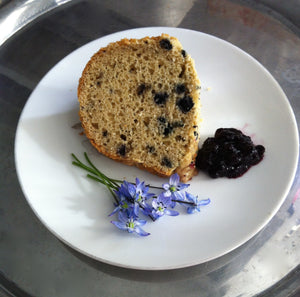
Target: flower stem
<point>97,175</point>
<point>184,201</point>
<point>102,182</point>
<point>154,187</point>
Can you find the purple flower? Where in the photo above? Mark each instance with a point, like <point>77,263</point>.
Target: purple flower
<point>124,189</point>
<point>139,194</point>
<point>160,207</point>
<point>174,188</point>
<point>196,203</point>
<point>130,223</point>
<point>131,199</point>
<point>142,190</point>
<point>123,205</point>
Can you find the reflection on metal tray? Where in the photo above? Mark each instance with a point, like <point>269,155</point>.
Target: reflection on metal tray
<point>34,36</point>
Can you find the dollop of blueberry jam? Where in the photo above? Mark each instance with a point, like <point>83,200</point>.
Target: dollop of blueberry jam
<point>229,154</point>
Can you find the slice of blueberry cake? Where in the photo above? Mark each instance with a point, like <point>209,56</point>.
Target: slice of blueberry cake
<point>139,104</point>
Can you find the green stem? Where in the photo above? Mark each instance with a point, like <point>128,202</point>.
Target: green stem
<point>101,181</point>
<point>95,171</point>
<point>99,173</point>
<point>107,185</point>
<point>82,166</point>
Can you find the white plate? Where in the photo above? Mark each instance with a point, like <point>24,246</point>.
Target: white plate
<point>236,92</point>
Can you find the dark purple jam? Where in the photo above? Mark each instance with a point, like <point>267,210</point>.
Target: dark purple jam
<point>229,154</point>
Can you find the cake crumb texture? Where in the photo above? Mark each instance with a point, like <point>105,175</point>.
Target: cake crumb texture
<point>139,104</point>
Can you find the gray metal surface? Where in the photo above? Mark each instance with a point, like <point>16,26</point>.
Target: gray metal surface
<point>33,262</point>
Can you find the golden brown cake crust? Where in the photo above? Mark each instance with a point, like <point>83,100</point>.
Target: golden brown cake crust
<point>139,104</point>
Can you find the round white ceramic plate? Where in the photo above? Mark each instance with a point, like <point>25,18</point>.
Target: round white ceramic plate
<point>236,92</point>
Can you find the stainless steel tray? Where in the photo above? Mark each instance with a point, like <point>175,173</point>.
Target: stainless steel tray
<point>34,36</point>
